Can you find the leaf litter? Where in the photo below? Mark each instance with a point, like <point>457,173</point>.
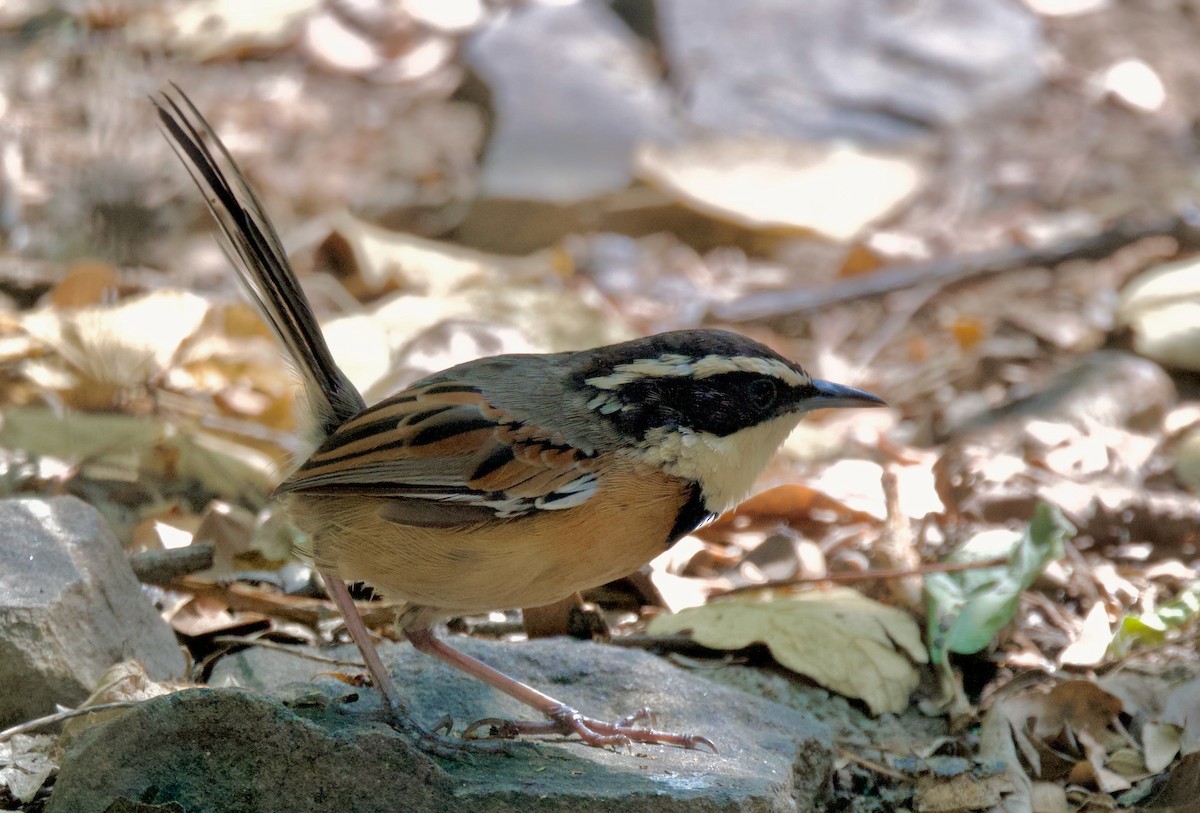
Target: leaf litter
<point>994,657</point>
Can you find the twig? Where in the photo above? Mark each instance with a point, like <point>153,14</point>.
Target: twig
<point>870,765</point>
<point>869,575</point>
<point>160,566</point>
<point>233,640</point>
<point>941,272</point>
<point>51,719</point>
<point>309,611</point>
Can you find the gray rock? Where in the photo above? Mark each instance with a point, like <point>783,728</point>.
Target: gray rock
<point>574,93</point>
<point>872,69</point>
<point>238,749</point>
<point>70,607</point>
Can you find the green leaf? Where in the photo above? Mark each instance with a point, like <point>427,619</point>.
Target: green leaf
<point>968,608</point>
<point>1152,628</point>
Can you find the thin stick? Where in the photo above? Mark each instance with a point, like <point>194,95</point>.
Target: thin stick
<point>869,575</point>
<point>51,719</point>
<point>233,640</point>
<point>945,271</point>
<point>309,611</point>
<point>870,765</point>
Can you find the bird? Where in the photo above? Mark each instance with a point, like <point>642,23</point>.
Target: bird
<point>508,481</point>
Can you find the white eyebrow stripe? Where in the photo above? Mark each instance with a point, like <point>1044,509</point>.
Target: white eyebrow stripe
<point>676,366</point>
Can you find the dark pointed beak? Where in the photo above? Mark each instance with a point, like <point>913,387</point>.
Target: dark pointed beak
<point>829,395</point>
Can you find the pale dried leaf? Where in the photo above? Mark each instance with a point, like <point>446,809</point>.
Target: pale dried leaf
<point>764,184</point>
<point>1162,306</point>
<point>996,743</point>
<point>1182,709</point>
<point>1187,460</point>
<point>839,638</point>
<point>1160,744</point>
<point>384,260</point>
<point>208,29</point>
<point>1089,648</point>
<point>121,345</point>
<point>1105,779</point>
<point>1049,797</point>
<point>122,681</point>
<point>25,764</point>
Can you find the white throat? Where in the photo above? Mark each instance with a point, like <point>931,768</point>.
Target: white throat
<point>725,467</point>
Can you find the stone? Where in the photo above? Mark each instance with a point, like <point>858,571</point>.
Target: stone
<point>574,93</point>
<point>70,607</point>
<point>322,745</point>
<point>860,69</point>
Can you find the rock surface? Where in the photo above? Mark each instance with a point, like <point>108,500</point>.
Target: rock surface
<point>308,747</point>
<point>574,95</point>
<point>868,69</point>
<point>70,607</point>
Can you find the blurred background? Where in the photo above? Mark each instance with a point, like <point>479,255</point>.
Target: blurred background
<point>982,210</point>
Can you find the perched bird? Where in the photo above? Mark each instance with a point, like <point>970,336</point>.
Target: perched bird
<point>510,481</point>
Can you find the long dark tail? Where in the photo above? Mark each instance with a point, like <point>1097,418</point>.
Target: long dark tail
<point>261,261</point>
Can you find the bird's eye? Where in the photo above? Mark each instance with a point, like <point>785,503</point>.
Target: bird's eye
<point>762,393</point>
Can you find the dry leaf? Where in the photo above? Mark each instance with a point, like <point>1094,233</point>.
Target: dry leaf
<point>127,448</point>
<point>770,184</point>
<point>794,504</point>
<point>211,29</point>
<point>1162,307</point>
<point>839,638</point>
<point>25,765</point>
<point>122,681</point>
<point>114,347</point>
<point>1182,788</point>
<point>936,794</point>
<point>205,615</point>
<point>1187,460</point>
<point>1094,770</point>
<point>374,260</point>
<point>997,743</point>
<point>1160,744</point>
<point>86,282</point>
<point>1182,709</point>
<point>968,332</point>
<point>1092,644</point>
<point>859,260</point>
<point>678,593</point>
<point>1080,705</point>
<point>1049,797</point>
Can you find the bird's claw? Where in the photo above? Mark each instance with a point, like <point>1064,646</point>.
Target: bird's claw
<point>566,721</point>
<point>439,741</point>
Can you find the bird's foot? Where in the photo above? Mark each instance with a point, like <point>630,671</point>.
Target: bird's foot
<point>566,721</point>
<point>439,742</point>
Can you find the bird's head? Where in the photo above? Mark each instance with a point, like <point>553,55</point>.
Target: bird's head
<point>708,406</point>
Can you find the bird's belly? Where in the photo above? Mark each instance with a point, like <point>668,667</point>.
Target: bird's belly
<point>523,562</point>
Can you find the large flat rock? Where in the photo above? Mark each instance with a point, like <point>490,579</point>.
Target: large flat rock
<point>283,745</point>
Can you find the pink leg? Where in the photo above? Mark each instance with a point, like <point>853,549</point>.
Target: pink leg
<point>428,740</point>
<point>337,591</point>
<point>563,719</point>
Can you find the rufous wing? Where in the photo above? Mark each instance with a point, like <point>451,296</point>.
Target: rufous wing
<point>443,456</point>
